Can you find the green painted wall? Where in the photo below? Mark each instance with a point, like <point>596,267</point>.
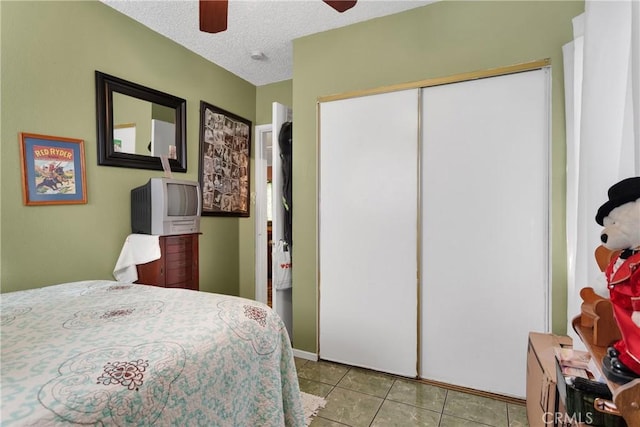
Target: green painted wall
<point>266,95</point>
<point>440,39</point>
<point>49,52</point>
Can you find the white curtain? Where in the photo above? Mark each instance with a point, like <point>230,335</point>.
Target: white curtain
<point>602,96</point>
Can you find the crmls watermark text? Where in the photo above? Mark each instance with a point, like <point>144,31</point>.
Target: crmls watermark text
<point>560,418</point>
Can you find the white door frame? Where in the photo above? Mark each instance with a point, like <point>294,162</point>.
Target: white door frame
<point>260,173</point>
<point>281,300</point>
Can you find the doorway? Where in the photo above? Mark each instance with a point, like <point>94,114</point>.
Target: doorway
<point>270,217</point>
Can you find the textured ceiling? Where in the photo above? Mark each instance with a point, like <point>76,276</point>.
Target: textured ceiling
<point>268,26</point>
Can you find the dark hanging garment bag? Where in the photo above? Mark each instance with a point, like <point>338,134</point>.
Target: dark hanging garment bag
<point>285,143</point>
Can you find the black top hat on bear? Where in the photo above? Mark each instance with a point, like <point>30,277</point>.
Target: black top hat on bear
<point>620,193</point>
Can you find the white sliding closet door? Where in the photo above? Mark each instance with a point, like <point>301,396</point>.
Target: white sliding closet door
<point>485,207</point>
<point>367,231</point>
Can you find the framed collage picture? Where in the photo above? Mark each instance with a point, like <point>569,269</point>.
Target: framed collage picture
<point>53,170</point>
<point>225,147</point>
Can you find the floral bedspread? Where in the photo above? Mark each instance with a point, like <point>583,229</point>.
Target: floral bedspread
<point>106,353</point>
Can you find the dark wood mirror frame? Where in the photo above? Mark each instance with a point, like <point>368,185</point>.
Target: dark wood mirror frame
<point>106,85</point>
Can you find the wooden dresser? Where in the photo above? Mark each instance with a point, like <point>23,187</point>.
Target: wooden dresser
<point>177,266</point>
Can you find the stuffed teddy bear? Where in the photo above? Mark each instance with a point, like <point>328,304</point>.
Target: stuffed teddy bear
<point>620,217</point>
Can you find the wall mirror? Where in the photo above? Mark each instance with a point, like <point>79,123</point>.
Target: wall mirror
<point>137,125</point>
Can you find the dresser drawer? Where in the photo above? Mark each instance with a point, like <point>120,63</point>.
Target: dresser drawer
<point>176,244</point>
<point>173,260</point>
<point>176,275</point>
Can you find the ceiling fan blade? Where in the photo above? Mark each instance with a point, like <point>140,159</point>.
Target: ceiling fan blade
<point>341,5</point>
<point>213,15</point>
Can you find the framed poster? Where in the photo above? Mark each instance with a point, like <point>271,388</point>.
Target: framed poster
<point>53,170</point>
<point>225,147</point>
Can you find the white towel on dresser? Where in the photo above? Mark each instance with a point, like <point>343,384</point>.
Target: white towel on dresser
<point>137,249</point>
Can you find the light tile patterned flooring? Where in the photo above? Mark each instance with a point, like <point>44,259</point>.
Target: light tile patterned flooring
<point>363,398</point>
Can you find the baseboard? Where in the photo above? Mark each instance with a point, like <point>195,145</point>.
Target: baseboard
<point>305,355</point>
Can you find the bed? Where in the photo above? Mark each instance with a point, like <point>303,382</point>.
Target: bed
<point>108,353</point>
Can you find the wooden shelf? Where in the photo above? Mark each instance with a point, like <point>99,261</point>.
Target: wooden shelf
<point>626,397</point>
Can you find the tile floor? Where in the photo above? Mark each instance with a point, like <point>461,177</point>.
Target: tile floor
<point>359,397</point>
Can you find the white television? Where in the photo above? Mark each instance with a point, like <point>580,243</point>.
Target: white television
<point>166,206</point>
